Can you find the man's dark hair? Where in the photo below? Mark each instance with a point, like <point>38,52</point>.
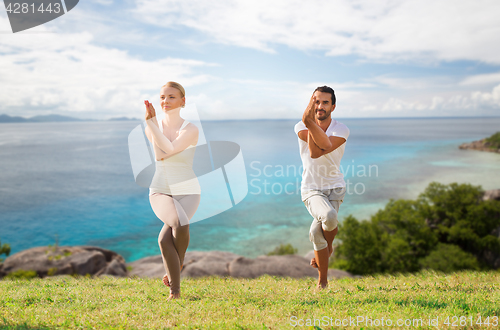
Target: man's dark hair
<point>326,89</point>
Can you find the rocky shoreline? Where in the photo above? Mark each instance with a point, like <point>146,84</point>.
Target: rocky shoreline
<point>481,145</point>
<point>48,262</point>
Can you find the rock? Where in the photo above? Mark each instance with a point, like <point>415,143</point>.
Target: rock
<point>196,264</point>
<point>195,256</point>
<point>481,145</point>
<point>309,255</point>
<point>286,265</point>
<point>65,261</point>
<point>219,263</point>
<point>108,254</point>
<point>114,268</point>
<point>147,267</point>
<point>68,260</point>
<point>87,262</point>
<point>207,263</point>
<point>493,194</point>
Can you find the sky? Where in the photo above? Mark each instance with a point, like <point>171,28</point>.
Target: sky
<point>257,59</point>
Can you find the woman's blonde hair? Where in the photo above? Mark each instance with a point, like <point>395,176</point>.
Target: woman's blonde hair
<point>177,86</point>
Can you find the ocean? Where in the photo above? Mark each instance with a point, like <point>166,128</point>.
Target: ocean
<point>72,182</point>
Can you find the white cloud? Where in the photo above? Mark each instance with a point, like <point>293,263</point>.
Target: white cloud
<point>488,99</point>
<point>68,73</point>
<point>396,105</point>
<point>481,79</point>
<point>384,30</point>
<point>475,103</point>
<point>103,2</point>
<point>94,74</point>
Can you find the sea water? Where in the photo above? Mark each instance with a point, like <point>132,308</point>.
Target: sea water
<point>72,182</point>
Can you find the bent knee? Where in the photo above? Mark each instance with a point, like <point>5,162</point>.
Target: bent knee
<point>330,220</point>
<point>162,241</point>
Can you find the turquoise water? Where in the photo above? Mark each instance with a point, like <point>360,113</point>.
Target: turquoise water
<point>74,180</point>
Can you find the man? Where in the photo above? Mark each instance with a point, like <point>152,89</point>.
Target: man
<point>322,143</point>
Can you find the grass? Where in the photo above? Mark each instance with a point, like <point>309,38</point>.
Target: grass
<point>264,303</point>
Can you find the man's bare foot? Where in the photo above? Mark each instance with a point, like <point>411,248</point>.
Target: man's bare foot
<point>165,280</point>
<point>313,260</point>
<point>322,286</point>
<point>174,296</point>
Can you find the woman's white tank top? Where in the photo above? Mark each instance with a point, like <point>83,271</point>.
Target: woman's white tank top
<point>174,175</point>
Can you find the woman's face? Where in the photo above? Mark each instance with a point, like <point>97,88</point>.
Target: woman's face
<point>170,98</point>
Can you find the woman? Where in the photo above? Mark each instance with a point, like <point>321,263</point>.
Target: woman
<point>174,192</point>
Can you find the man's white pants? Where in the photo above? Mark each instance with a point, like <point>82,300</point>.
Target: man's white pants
<point>323,205</point>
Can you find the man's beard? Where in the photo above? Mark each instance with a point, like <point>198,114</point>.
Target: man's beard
<point>322,116</point>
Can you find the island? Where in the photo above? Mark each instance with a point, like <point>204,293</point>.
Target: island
<point>491,144</point>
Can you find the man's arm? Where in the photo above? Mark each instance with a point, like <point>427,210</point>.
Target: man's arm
<point>316,134</point>
<point>314,150</point>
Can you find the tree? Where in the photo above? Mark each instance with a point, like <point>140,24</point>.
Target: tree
<point>392,241</point>
<point>449,258</point>
<point>446,223</point>
<point>4,249</point>
<point>459,216</point>
<point>361,248</point>
<point>283,250</point>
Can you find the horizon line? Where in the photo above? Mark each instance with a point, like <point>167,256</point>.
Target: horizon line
<point>125,118</point>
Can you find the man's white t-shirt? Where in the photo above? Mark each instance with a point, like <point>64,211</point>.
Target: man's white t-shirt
<point>322,172</point>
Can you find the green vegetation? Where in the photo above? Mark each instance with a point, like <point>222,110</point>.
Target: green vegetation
<point>54,247</point>
<point>449,258</point>
<point>4,249</point>
<point>494,141</point>
<point>448,228</point>
<point>263,303</point>
<point>282,250</point>
<point>22,274</point>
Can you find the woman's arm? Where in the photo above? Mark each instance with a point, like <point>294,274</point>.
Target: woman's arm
<point>188,136</point>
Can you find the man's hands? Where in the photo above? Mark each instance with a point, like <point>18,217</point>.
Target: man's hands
<point>150,112</point>
<point>309,114</point>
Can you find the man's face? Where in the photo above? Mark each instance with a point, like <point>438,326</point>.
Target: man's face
<point>324,106</point>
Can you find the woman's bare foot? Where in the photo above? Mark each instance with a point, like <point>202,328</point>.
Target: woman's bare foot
<point>322,286</point>
<point>165,280</point>
<point>174,296</point>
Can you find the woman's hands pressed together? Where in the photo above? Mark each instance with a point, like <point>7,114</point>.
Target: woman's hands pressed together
<point>150,112</point>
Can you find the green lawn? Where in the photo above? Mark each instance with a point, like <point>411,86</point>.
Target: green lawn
<point>268,302</point>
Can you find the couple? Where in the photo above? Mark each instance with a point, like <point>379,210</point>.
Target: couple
<point>175,193</point>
